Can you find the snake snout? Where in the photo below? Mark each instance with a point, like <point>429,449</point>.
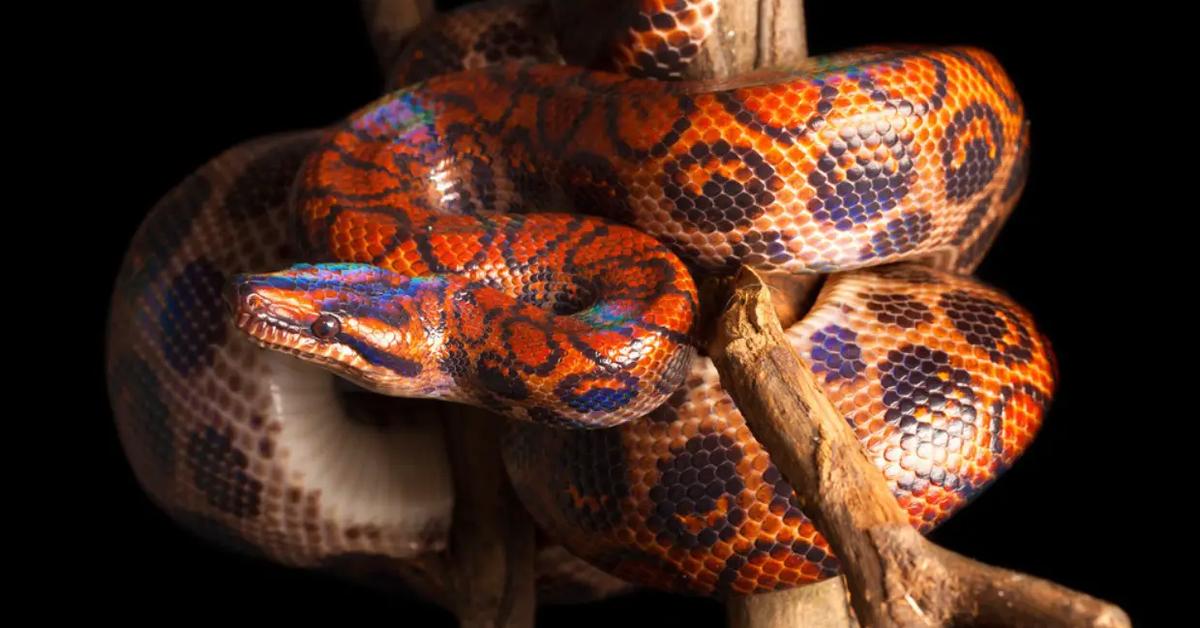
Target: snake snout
<point>242,297</point>
<point>253,302</point>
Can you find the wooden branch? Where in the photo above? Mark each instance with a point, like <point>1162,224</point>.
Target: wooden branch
<point>489,564</point>
<point>390,21</point>
<point>751,35</point>
<point>895,576</point>
<point>821,604</point>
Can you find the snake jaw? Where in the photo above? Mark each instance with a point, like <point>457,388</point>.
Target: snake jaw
<point>276,326</point>
<point>371,340</point>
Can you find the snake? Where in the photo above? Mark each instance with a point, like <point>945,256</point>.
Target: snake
<point>519,225</point>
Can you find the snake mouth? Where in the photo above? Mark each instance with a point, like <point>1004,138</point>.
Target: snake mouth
<point>285,336</point>
<point>286,328</point>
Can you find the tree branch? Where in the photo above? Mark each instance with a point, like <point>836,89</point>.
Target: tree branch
<point>748,36</point>
<point>751,35</point>
<point>489,564</point>
<point>822,604</point>
<point>895,576</point>
<point>390,21</point>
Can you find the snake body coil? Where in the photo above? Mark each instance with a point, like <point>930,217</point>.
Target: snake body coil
<point>415,284</point>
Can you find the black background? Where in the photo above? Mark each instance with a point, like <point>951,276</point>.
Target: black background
<point>172,84</point>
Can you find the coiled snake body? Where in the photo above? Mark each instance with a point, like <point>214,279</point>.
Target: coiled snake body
<point>892,169</point>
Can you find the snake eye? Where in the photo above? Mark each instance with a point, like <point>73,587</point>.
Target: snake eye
<point>326,326</point>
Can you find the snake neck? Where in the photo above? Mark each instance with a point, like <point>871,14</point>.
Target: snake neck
<point>597,348</point>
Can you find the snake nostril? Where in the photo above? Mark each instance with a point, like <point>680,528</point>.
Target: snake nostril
<point>241,297</point>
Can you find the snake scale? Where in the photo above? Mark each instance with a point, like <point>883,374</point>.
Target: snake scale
<point>417,249</point>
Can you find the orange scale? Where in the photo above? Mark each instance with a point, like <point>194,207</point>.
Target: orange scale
<point>810,570</point>
<point>687,17</point>
<point>757,511</point>
<point>745,500</point>
<point>754,563</point>
<point>752,450</point>
<point>789,230</point>
<point>711,113</point>
<point>792,561</point>
<point>662,449</point>
<point>676,554</point>
<point>706,578</point>
<point>743,585</point>
<point>653,40</point>
<point>741,544</point>
<point>713,563</point>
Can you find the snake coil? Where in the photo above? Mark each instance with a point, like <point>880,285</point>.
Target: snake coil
<point>422,265</point>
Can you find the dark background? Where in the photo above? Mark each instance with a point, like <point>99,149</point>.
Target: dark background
<point>172,84</point>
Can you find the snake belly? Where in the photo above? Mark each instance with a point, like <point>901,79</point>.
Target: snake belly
<point>851,164</point>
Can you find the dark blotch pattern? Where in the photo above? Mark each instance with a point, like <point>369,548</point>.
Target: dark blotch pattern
<point>498,375</point>
<point>696,480</point>
<point>920,382</point>
<point>982,153</point>
<point>853,187</point>
<point>614,392</point>
<point>593,186</point>
<point>219,471</point>
<point>594,468</point>
<point>455,362</point>
<point>899,236</point>
<point>988,324</point>
<point>509,40</point>
<point>760,247</point>
<point>897,309</point>
<point>193,319</point>
<point>835,353</point>
<point>720,203</point>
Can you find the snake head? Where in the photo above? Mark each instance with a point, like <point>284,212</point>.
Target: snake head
<point>367,324</point>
